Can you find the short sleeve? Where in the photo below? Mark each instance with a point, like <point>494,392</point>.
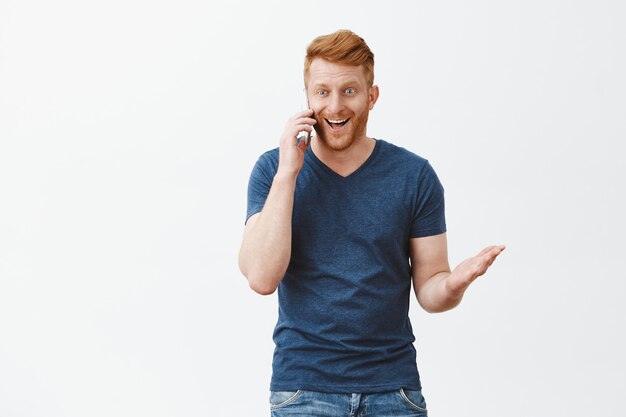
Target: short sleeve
<point>429,215</point>
<point>259,184</point>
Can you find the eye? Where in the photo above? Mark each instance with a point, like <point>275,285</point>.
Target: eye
<point>350,91</point>
<point>321,92</point>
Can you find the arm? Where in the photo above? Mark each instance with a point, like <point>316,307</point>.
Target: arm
<point>266,247</point>
<point>436,287</point>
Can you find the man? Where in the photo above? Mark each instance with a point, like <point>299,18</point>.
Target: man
<point>341,227</point>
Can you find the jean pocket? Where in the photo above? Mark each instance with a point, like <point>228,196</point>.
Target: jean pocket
<point>280,399</point>
<point>414,399</point>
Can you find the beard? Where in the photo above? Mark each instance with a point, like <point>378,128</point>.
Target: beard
<point>345,137</point>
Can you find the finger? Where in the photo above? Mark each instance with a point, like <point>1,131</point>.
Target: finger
<point>303,113</point>
<point>291,137</point>
<point>486,263</point>
<point>492,249</point>
<point>486,250</point>
<point>301,128</point>
<point>302,143</point>
<point>306,120</point>
<point>302,121</point>
<point>293,132</point>
<point>497,251</point>
<point>488,258</point>
<point>493,254</point>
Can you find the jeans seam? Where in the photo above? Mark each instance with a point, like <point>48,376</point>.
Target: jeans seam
<point>286,402</point>
<point>417,407</point>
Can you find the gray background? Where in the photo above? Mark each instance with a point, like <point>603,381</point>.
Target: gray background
<point>128,130</point>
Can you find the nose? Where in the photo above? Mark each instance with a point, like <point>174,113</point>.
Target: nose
<point>335,104</point>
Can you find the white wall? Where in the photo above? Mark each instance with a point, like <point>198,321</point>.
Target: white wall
<point>127,133</point>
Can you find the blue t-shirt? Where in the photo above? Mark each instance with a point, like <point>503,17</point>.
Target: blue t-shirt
<point>343,322</point>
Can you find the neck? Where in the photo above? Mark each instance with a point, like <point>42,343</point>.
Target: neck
<point>346,161</point>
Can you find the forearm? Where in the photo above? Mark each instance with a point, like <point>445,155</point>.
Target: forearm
<point>444,290</point>
<point>435,296</point>
<point>266,247</point>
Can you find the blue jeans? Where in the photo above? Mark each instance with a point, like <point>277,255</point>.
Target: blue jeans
<point>400,403</point>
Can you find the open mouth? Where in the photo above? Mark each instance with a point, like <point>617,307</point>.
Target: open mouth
<point>336,123</point>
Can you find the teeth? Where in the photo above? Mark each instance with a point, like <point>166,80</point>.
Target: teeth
<point>336,121</point>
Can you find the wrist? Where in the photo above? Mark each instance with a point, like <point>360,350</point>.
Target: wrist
<point>453,288</point>
<point>287,176</point>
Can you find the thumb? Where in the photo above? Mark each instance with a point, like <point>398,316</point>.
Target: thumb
<point>302,142</point>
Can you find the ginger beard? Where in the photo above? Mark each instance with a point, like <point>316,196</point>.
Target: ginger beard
<point>339,137</point>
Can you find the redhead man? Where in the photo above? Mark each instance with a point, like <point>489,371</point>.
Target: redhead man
<point>342,227</point>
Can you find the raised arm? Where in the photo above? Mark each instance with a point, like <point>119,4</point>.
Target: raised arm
<point>266,247</point>
<point>436,287</point>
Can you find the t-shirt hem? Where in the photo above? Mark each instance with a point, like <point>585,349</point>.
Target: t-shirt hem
<point>343,389</point>
<point>428,232</point>
<point>251,214</point>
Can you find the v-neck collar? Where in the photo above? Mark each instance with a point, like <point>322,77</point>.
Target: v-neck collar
<point>329,171</point>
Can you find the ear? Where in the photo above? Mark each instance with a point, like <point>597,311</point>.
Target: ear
<point>373,96</point>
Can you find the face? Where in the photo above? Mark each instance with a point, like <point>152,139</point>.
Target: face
<point>341,99</point>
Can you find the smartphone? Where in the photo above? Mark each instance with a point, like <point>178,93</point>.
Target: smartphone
<point>304,135</point>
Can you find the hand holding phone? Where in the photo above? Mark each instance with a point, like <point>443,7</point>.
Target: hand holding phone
<point>304,134</point>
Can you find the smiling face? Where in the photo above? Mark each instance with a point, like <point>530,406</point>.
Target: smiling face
<point>341,99</point>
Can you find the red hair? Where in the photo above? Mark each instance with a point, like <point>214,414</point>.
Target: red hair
<point>341,47</point>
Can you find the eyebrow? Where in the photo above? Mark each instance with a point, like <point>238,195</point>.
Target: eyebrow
<point>343,85</point>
